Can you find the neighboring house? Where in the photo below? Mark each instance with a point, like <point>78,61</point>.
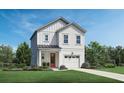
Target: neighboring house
<point>58,43</point>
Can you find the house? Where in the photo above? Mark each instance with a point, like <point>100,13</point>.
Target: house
<point>59,42</point>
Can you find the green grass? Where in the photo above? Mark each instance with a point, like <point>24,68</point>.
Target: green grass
<point>115,70</point>
<point>51,77</point>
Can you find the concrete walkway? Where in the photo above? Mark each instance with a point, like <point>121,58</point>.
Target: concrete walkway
<point>56,69</point>
<point>102,73</point>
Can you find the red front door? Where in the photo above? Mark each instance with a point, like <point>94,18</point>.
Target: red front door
<point>52,60</point>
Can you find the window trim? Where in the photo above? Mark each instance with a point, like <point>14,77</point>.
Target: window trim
<point>42,56</point>
<point>78,39</point>
<point>44,38</point>
<point>64,39</point>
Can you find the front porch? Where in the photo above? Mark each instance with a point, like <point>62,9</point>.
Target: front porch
<point>49,56</point>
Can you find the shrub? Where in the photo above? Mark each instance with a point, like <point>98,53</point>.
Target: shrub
<point>63,67</point>
<point>12,66</point>
<point>37,69</point>
<point>45,64</point>
<point>5,69</point>
<point>86,65</point>
<point>16,69</point>
<point>93,67</point>
<point>122,64</point>
<point>20,65</point>
<point>12,69</point>
<point>27,68</point>
<point>109,65</point>
<point>48,64</point>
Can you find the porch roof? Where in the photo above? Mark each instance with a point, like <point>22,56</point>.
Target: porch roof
<point>48,46</point>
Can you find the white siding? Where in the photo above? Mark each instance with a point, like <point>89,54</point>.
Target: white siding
<point>51,31</point>
<point>64,52</point>
<point>71,47</point>
<point>52,38</point>
<point>57,38</point>
<point>72,33</point>
<point>55,26</point>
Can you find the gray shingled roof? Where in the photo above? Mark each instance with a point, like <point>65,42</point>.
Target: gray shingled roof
<point>48,46</point>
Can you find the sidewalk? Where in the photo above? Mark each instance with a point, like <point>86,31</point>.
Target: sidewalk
<point>102,73</point>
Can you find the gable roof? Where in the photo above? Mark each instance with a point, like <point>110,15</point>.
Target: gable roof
<point>64,20</point>
<point>60,18</point>
<point>72,24</point>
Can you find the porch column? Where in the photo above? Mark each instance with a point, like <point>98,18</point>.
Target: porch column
<point>60,59</point>
<point>39,58</point>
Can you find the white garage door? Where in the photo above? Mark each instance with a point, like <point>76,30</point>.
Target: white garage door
<point>71,61</point>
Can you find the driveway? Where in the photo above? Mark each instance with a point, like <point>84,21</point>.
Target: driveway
<point>102,73</point>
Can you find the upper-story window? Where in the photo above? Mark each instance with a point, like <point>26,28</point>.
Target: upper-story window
<point>78,39</point>
<point>46,37</point>
<point>66,39</point>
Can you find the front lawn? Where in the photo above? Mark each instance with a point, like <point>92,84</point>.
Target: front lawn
<point>52,77</point>
<point>115,70</point>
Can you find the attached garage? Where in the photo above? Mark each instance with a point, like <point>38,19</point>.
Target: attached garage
<point>72,61</point>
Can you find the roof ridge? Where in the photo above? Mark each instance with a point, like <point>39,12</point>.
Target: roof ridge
<point>72,23</point>
<point>43,26</point>
<point>50,22</point>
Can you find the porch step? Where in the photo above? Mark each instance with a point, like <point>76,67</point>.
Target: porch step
<point>55,69</point>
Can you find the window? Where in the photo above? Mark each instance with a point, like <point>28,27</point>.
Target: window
<point>46,37</point>
<point>73,56</point>
<point>66,39</point>
<point>42,56</point>
<point>78,40</point>
<point>77,56</point>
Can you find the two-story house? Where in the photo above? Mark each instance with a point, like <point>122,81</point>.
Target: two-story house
<point>58,43</point>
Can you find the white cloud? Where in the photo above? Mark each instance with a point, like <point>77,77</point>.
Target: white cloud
<point>20,23</point>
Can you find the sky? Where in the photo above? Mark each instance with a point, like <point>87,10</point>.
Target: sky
<point>103,26</point>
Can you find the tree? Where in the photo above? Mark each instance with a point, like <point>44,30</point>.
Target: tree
<point>96,54</point>
<point>6,54</point>
<point>112,54</point>
<point>23,54</point>
<point>119,55</point>
<point>92,53</point>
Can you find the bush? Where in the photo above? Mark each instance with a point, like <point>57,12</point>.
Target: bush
<point>48,64</point>
<point>7,65</point>
<point>27,68</point>
<point>86,65</point>
<point>63,67</point>
<point>12,66</point>
<point>122,64</point>
<point>5,69</point>
<point>20,65</point>
<point>93,67</point>
<point>37,69</point>
<point>109,65</point>
<point>12,69</point>
<point>45,64</point>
